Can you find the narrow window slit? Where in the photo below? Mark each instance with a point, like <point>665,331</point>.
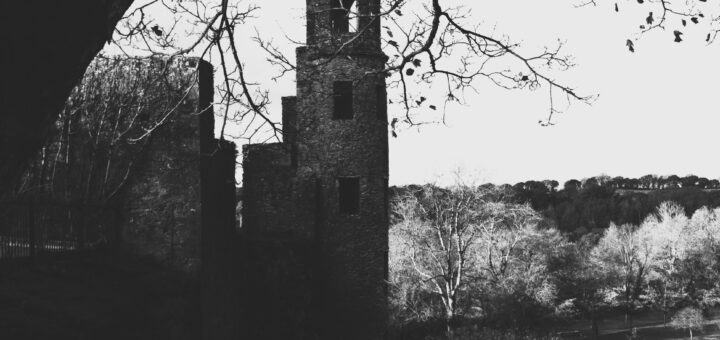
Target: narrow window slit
<point>354,18</point>
<point>349,194</point>
<point>343,100</point>
<point>381,97</point>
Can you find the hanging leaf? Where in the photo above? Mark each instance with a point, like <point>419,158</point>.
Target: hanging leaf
<point>616,8</point>
<point>393,43</point>
<point>156,29</point>
<point>389,33</point>
<point>631,46</point>
<point>409,72</point>
<point>417,62</point>
<point>433,107</point>
<point>649,20</point>
<point>677,36</point>
<point>694,20</point>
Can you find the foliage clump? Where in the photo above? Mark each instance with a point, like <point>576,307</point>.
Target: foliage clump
<point>688,318</point>
<point>471,256</point>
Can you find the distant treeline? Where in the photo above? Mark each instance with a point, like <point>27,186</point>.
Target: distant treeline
<point>581,206</point>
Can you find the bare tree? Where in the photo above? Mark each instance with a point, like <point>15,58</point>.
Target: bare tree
<point>104,129</point>
<point>43,62</point>
<point>673,17</point>
<point>211,27</point>
<point>450,242</point>
<point>622,250</point>
<point>428,43</point>
<point>437,230</point>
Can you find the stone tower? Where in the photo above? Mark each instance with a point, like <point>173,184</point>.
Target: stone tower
<point>315,207</point>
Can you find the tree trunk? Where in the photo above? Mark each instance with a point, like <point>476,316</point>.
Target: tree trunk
<point>628,314</point>
<point>626,317</point>
<point>664,303</point>
<point>627,303</point>
<point>448,322</point>
<point>595,328</point>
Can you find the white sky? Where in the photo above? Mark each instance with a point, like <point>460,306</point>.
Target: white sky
<point>656,113</point>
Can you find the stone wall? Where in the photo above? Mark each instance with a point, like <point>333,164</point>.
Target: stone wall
<point>163,202</point>
<point>129,139</point>
<point>314,269</point>
<point>279,289</point>
<point>221,272</point>
<point>353,247</point>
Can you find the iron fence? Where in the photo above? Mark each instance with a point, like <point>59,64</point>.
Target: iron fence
<point>29,229</point>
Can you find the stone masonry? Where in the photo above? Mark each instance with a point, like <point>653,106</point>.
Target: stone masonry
<point>315,219</point>
<point>163,203</point>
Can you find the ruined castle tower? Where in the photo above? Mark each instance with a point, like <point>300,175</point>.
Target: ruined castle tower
<point>315,215</point>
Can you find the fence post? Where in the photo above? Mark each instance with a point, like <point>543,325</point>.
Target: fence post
<point>31,227</point>
<point>117,228</point>
<point>83,234</point>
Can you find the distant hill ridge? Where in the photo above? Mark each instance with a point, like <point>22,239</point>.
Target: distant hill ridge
<point>591,204</point>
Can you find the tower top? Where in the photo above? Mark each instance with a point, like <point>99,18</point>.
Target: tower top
<point>332,23</point>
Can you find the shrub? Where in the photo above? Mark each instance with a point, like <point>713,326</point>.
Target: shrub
<point>688,318</point>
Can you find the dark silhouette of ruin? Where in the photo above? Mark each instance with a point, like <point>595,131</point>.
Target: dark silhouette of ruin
<point>310,261</point>
<point>136,185</point>
<point>315,219</point>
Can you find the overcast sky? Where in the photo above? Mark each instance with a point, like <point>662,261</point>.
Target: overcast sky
<point>656,112</point>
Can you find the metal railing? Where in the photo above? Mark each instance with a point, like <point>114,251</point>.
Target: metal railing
<point>30,228</point>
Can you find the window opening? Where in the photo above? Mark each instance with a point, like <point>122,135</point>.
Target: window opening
<point>344,16</point>
<point>381,97</point>
<point>349,195</point>
<point>342,100</point>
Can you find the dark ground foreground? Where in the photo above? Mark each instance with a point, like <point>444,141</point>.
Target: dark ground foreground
<point>96,295</point>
